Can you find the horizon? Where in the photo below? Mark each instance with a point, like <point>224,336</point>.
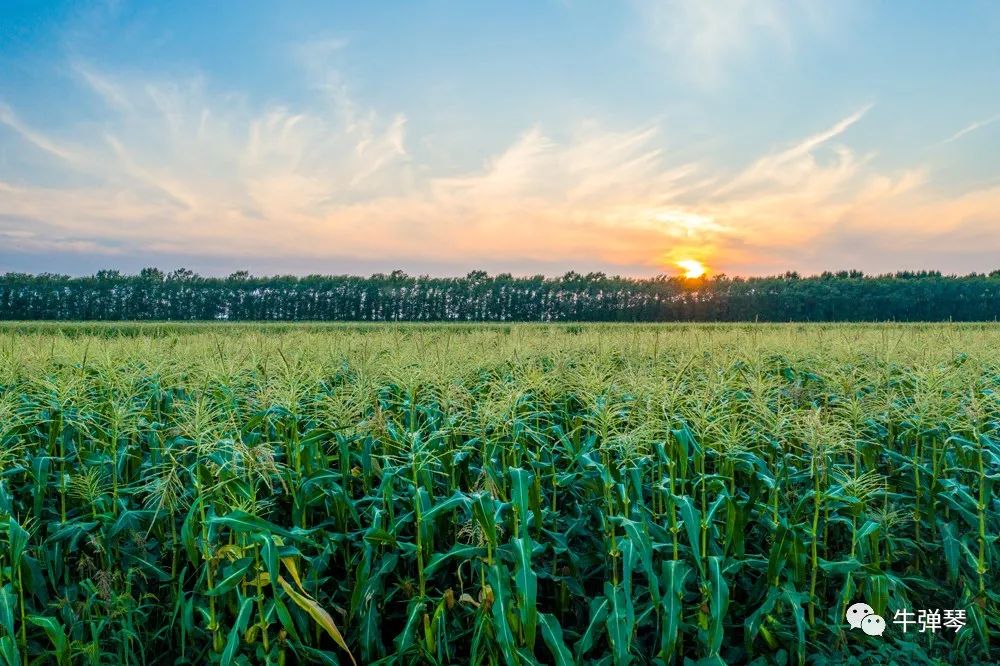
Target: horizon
<point>639,139</point>
<point>845,273</point>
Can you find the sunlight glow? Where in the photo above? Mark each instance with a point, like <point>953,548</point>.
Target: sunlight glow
<point>692,268</point>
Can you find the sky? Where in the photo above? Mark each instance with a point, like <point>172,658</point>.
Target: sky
<point>753,136</point>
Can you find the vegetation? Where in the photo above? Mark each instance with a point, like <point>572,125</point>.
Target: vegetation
<point>496,494</point>
<point>182,295</point>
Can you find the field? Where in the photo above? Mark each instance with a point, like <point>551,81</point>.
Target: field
<point>464,494</point>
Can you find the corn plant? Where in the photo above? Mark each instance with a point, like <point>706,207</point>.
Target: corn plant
<point>449,494</point>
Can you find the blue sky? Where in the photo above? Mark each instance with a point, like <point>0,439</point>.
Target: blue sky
<point>755,136</point>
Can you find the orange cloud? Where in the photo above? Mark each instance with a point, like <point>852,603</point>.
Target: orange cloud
<point>180,169</point>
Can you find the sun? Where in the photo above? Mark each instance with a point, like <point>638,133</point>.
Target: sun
<point>692,268</point>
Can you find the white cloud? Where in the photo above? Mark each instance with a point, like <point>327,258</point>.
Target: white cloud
<point>972,128</point>
<point>704,39</point>
<point>798,163</point>
<point>37,139</point>
<point>177,167</point>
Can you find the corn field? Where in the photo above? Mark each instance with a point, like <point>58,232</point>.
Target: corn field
<point>387,494</point>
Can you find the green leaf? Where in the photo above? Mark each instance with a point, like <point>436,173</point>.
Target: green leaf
<point>620,623</point>
<point>795,599</point>
<point>7,604</point>
<point>285,617</point>
<point>9,651</point>
<point>17,542</point>
<point>638,535</point>
<point>952,550</point>
<point>754,621</point>
<point>56,636</point>
<point>458,499</point>
<point>599,609</point>
<point>150,568</point>
<point>379,536</point>
<point>692,523</point>
<point>237,572</point>
<point>415,611</point>
<point>521,481</point>
<point>776,559</point>
<point>841,567</point>
<point>718,603</point>
<point>526,583</point>
<point>498,577</point>
<point>870,527</point>
<point>482,513</point>
<point>269,555</point>
<point>241,521</point>
<point>237,631</point>
<point>553,635</point>
<point>675,573</point>
<point>188,529</point>
<point>461,552</point>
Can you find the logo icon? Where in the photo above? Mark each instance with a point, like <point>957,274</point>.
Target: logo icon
<point>857,613</point>
<point>873,625</point>
<point>862,616</point>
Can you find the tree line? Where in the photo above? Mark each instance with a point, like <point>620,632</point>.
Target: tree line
<point>182,295</point>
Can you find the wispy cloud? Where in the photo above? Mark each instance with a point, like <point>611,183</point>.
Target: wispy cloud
<point>798,163</point>
<point>704,40</point>
<point>979,124</point>
<point>35,138</point>
<point>179,168</point>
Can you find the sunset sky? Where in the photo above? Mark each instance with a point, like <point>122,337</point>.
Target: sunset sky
<point>754,136</point>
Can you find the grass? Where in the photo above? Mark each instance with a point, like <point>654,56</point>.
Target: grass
<point>495,494</point>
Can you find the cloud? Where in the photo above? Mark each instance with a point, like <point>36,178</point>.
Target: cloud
<point>37,139</point>
<point>704,40</point>
<point>972,128</point>
<point>177,156</point>
<point>109,92</point>
<point>797,163</point>
<point>177,168</point>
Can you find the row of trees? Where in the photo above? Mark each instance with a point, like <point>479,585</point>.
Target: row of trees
<point>184,295</point>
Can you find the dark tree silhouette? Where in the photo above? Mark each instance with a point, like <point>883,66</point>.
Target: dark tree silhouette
<point>184,295</point>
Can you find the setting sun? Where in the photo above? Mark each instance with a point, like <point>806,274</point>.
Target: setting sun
<point>692,268</point>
